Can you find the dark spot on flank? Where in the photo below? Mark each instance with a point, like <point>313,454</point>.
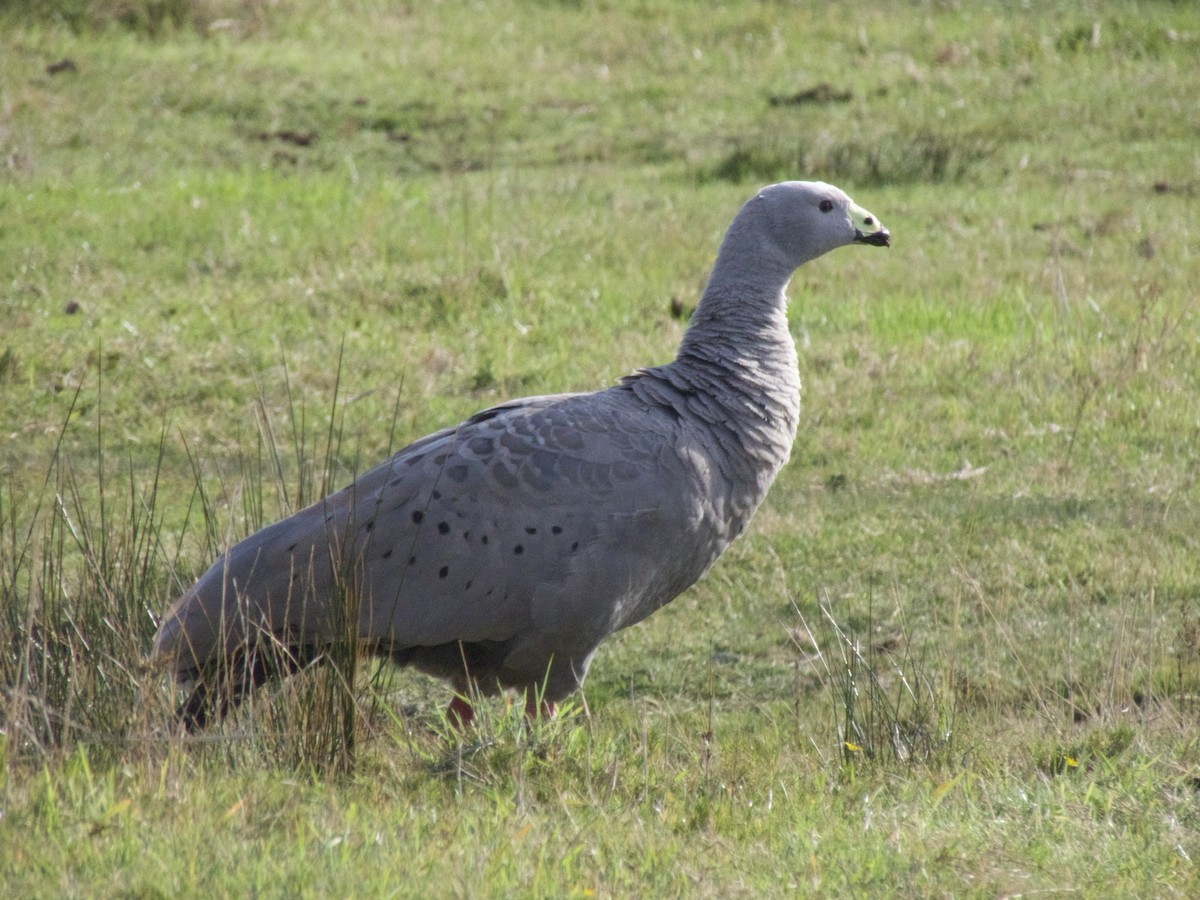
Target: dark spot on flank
<point>412,560</point>
<point>481,446</point>
<point>575,546</point>
<point>545,460</point>
<point>395,481</point>
<point>556,529</point>
<point>484,539</point>
<point>466,535</point>
<point>413,460</point>
<point>440,459</point>
<point>529,529</point>
<point>417,516</point>
<point>437,495</point>
<point>443,527</point>
<point>519,549</point>
<point>457,473</point>
<point>387,554</point>
<point>291,549</point>
<point>504,476</point>
<point>514,444</point>
<point>369,527</point>
<point>467,586</point>
<point>567,437</point>
<point>443,571</point>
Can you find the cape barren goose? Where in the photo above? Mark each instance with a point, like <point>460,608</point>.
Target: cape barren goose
<point>501,552</point>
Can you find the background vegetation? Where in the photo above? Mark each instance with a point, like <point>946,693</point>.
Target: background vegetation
<point>249,247</point>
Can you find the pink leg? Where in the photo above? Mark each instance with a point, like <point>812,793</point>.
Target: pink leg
<point>546,710</point>
<point>460,712</point>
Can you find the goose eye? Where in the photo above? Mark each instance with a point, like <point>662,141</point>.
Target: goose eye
<point>826,205</point>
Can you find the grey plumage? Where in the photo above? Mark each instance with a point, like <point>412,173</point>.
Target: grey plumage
<point>502,551</point>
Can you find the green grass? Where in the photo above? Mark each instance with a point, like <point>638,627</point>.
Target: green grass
<point>958,653</point>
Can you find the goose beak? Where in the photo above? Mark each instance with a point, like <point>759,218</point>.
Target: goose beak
<point>879,238</point>
<point>868,229</point>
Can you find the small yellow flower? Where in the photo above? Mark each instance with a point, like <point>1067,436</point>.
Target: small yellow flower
<point>853,748</point>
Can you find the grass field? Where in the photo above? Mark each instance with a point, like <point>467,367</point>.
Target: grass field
<point>249,247</point>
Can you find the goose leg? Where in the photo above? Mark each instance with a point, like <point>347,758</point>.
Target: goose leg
<point>544,710</point>
<point>460,713</point>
